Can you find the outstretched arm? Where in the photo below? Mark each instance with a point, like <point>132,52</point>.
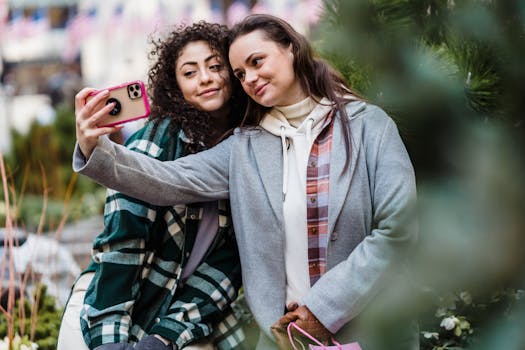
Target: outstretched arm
<point>195,178</point>
<point>199,177</point>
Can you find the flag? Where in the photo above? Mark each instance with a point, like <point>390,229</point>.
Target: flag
<point>21,26</point>
<point>216,15</point>
<point>115,24</point>
<point>4,11</point>
<point>236,12</point>
<point>78,28</point>
<point>260,8</point>
<point>315,9</point>
<point>39,22</point>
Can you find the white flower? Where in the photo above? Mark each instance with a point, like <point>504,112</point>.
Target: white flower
<point>429,335</point>
<point>449,323</point>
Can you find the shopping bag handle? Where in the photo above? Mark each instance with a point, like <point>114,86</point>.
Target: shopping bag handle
<point>306,334</point>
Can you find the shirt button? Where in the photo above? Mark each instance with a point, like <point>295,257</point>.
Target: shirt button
<point>193,216</point>
<point>312,199</point>
<point>187,254</point>
<point>157,320</point>
<point>314,230</point>
<point>313,164</point>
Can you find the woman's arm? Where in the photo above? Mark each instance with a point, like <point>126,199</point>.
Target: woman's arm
<point>199,177</point>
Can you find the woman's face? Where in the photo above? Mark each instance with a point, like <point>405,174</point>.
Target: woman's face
<point>203,77</point>
<point>265,70</point>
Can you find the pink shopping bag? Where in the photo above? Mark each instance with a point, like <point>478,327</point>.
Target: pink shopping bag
<point>320,346</point>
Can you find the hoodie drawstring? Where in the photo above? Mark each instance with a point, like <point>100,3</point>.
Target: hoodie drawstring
<point>285,162</point>
<point>309,126</point>
<point>284,143</point>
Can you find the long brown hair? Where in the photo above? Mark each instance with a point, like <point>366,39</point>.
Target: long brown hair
<point>165,94</point>
<point>317,78</point>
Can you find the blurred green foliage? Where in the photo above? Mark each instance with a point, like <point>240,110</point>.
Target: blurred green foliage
<point>452,76</point>
<point>48,321</point>
<point>40,162</point>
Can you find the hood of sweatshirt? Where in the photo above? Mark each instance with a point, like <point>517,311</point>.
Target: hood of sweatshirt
<point>303,118</point>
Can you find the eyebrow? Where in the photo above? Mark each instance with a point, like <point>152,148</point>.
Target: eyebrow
<point>194,63</point>
<point>247,60</point>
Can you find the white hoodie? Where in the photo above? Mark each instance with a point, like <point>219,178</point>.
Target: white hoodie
<point>298,126</point>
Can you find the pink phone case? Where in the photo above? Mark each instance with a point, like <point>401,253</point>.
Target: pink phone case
<point>131,103</point>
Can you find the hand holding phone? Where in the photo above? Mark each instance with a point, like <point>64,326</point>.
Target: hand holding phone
<point>130,103</point>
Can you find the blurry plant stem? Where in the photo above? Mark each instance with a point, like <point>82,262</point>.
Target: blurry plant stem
<point>36,298</point>
<point>65,213</point>
<point>18,200</point>
<point>8,243</point>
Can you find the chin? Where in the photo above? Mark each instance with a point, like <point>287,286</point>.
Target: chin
<point>265,102</point>
<point>212,106</point>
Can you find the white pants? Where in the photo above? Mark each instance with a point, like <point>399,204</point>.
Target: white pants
<point>70,334</point>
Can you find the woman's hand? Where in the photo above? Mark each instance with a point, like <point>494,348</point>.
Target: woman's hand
<point>305,319</point>
<point>87,115</point>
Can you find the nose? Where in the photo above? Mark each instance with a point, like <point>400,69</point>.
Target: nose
<point>250,76</point>
<point>205,76</point>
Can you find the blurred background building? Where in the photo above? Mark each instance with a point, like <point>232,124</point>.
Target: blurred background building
<point>49,49</point>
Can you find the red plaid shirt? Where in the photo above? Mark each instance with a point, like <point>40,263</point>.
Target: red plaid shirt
<point>317,189</point>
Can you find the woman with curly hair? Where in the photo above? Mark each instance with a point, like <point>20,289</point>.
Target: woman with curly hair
<point>165,277</point>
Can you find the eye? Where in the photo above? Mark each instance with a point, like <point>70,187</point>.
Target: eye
<point>239,75</point>
<point>189,73</point>
<point>216,67</point>
<point>256,61</point>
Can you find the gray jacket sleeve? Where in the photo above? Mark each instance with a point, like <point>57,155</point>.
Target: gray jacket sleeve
<point>199,177</point>
<point>344,291</point>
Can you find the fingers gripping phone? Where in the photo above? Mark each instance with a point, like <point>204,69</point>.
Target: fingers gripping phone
<point>131,103</point>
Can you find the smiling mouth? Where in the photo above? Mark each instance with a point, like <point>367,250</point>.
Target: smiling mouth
<point>258,91</point>
<point>208,92</point>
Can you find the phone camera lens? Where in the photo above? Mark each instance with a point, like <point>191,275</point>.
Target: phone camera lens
<point>116,110</point>
<point>134,91</point>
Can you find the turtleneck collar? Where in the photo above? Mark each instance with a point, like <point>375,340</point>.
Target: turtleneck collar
<point>297,113</point>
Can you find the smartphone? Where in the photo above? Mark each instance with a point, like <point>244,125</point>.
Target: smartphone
<point>131,103</point>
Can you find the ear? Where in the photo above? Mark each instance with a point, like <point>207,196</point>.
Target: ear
<point>290,50</point>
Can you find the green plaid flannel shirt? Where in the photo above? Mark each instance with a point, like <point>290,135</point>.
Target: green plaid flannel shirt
<point>138,260</point>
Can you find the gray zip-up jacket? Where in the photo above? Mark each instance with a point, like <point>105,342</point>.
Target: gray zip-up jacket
<point>371,217</point>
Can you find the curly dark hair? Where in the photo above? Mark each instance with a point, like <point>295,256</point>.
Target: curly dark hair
<point>166,97</point>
